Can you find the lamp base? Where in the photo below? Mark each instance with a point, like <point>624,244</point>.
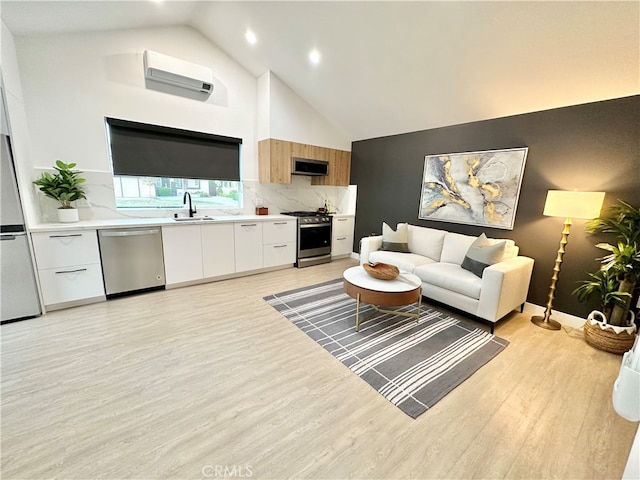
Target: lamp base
<point>549,325</point>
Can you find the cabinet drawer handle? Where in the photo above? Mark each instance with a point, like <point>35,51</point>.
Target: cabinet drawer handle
<point>65,236</point>
<point>341,238</point>
<point>342,219</point>
<point>279,223</point>
<point>73,271</point>
<point>279,246</point>
<point>248,224</point>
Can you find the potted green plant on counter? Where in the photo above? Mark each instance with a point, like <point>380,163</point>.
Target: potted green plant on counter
<point>65,186</point>
<point>614,329</point>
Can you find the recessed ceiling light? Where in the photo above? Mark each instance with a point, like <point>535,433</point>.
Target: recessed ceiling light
<point>314,57</point>
<point>251,37</point>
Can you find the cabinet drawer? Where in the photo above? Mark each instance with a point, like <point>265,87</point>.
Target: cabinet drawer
<point>343,226</point>
<point>279,231</point>
<point>69,284</point>
<point>279,254</point>
<point>342,245</point>
<point>64,249</point>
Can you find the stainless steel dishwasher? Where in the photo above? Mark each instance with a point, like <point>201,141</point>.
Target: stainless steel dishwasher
<point>131,259</point>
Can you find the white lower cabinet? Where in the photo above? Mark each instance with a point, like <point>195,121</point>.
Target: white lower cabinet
<point>279,254</point>
<point>341,245</point>
<point>218,250</point>
<point>70,284</point>
<point>69,266</point>
<point>182,247</point>
<point>196,252</point>
<point>70,270</point>
<point>342,235</point>
<point>279,243</point>
<point>248,246</point>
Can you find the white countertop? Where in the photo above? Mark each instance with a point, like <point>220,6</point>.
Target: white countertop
<point>147,222</point>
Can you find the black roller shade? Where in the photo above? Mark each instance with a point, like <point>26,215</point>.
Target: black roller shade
<point>146,150</point>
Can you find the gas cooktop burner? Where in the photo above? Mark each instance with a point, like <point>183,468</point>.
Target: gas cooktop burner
<point>303,214</point>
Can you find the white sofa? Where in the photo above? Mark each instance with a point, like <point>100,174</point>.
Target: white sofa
<point>436,257</point>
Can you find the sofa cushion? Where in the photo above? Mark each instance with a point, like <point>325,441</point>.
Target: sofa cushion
<point>455,247</point>
<point>395,240</point>
<point>451,277</point>
<point>426,241</point>
<point>483,253</point>
<point>406,262</point>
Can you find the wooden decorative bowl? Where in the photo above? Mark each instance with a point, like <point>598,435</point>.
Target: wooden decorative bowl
<point>381,271</point>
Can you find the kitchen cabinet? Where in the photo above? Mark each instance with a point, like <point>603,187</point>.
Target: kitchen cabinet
<point>69,267</point>
<point>339,169</point>
<point>182,247</point>
<point>274,162</point>
<point>248,245</point>
<point>342,235</point>
<point>279,243</point>
<point>218,249</point>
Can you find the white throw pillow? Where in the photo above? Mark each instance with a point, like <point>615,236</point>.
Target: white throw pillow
<point>395,240</point>
<point>483,253</point>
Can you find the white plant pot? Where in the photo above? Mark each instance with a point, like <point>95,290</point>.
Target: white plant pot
<point>68,215</point>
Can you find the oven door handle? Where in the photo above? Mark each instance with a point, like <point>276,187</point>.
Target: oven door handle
<point>315,225</point>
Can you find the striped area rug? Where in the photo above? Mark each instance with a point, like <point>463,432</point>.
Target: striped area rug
<point>411,365</point>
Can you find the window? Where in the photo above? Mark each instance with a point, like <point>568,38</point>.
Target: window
<point>154,192</point>
<point>154,166</point>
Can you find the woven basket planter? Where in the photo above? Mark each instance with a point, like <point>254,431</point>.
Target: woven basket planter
<point>607,339</point>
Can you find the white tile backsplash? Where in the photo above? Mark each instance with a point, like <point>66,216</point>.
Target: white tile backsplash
<point>299,195</point>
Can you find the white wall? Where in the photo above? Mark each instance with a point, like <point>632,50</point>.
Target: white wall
<point>294,120</point>
<point>71,82</point>
<point>263,128</point>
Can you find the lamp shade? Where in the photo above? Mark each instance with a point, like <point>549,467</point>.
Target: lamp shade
<point>572,204</point>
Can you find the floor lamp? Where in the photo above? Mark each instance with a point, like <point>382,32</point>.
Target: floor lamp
<point>568,204</point>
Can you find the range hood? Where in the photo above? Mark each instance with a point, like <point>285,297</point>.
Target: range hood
<point>306,166</point>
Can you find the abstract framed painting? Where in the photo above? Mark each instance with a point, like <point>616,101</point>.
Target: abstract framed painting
<point>474,188</point>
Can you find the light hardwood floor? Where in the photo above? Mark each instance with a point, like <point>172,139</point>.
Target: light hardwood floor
<point>166,384</point>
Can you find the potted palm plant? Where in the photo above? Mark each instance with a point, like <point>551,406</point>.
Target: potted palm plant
<point>604,285</point>
<point>65,186</point>
<point>614,329</point>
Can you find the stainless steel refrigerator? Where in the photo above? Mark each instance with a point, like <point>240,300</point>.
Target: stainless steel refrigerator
<point>18,288</point>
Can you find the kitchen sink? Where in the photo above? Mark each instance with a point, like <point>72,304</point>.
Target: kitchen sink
<point>192,219</point>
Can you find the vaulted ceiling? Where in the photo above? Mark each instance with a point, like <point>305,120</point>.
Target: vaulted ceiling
<point>394,67</point>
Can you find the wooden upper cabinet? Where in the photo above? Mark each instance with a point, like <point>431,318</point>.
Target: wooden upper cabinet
<point>339,169</point>
<point>274,162</point>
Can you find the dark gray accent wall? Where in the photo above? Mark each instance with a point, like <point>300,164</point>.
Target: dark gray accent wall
<point>590,147</point>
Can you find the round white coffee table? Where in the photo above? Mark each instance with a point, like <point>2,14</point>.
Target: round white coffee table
<point>403,290</point>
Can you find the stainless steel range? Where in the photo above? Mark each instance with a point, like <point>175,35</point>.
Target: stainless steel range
<point>314,238</point>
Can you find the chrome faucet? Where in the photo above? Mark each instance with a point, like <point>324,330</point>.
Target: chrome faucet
<point>192,210</point>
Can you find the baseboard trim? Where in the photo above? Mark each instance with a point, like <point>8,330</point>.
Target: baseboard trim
<point>565,319</point>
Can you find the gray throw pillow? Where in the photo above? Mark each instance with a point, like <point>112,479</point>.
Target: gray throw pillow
<point>481,254</point>
<point>395,240</point>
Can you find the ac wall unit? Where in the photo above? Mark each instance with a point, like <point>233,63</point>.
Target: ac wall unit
<point>173,71</point>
